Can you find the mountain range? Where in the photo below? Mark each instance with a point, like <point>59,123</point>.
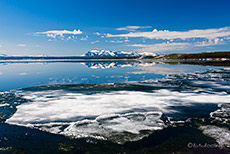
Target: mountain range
<point>117,54</point>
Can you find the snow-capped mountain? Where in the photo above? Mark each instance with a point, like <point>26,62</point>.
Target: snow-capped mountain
<point>108,53</point>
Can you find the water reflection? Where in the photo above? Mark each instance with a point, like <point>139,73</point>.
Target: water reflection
<point>15,75</point>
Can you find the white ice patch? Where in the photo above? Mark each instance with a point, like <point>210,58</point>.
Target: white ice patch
<point>222,115</point>
<point>82,115</point>
<point>117,128</point>
<point>222,135</point>
<point>3,105</point>
<point>212,84</point>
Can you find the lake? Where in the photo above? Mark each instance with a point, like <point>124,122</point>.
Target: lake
<point>113,107</point>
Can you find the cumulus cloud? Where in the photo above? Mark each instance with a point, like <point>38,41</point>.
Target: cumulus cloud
<point>171,35</point>
<point>133,28</point>
<point>184,40</point>
<point>176,46</point>
<point>162,47</point>
<point>61,33</point>
<point>84,38</point>
<point>116,41</point>
<point>21,45</point>
<point>216,41</point>
<point>97,33</point>
<point>95,42</point>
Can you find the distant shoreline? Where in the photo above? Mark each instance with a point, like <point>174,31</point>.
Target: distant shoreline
<point>205,56</point>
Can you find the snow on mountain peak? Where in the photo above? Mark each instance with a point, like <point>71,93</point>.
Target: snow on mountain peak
<point>108,53</point>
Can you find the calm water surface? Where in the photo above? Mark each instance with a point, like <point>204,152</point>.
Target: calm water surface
<point>21,75</point>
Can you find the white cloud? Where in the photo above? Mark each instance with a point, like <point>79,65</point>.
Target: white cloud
<point>69,38</point>
<point>61,33</point>
<point>133,28</point>
<point>118,41</point>
<point>97,33</point>
<point>0,46</point>
<point>216,41</point>
<point>170,35</point>
<point>176,46</point>
<point>21,45</point>
<point>162,47</point>
<point>50,40</point>
<point>95,42</point>
<point>84,38</point>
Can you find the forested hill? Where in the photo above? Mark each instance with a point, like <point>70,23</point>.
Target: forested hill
<point>204,55</point>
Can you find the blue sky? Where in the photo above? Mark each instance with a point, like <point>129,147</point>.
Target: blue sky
<point>73,27</point>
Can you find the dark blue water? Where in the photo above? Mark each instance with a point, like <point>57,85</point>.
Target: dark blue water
<point>114,107</point>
